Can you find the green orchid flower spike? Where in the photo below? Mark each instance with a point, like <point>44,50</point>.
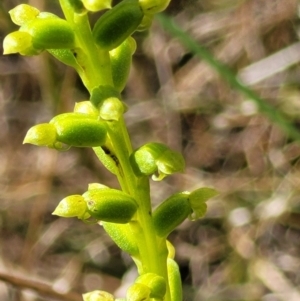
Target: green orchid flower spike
<point>102,56</point>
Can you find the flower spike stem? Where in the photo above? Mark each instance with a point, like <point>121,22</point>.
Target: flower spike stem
<point>102,57</point>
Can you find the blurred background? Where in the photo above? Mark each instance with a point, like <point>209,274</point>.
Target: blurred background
<point>248,245</point>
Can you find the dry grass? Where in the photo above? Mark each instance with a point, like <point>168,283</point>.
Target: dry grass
<point>247,247</point>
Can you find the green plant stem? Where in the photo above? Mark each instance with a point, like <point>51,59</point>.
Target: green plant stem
<point>272,113</point>
<point>153,256</point>
<point>89,56</point>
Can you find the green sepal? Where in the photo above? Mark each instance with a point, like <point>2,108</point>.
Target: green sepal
<point>143,160</point>
<point>19,42</point>
<point>47,15</point>
<point>198,199</point>
<point>72,206</point>
<point>168,163</point>
<point>86,107</point>
<point>146,22</point>
<point>138,292</point>
<point>110,205</point>
<point>158,160</point>
<point>96,5</point>
<point>123,236</point>
<point>98,296</point>
<point>92,186</point>
<point>112,109</point>
<point>156,283</point>
<point>23,13</point>
<point>153,6</point>
<point>107,100</point>
<point>102,93</point>
<point>43,134</point>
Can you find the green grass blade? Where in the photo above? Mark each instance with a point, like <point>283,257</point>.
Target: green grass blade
<point>269,111</point>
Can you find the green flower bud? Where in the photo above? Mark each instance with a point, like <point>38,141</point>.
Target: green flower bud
<point>174,210</point>
<point>101,93</point>
<point>153,6</point>
<point>98,296</point>
<point>117,24</point>
<point>23,13</point>
<point>138,292</point>
<point>72,206</point>
<point>49,32</point>
<point>156,157</point>
<point>110,205</point>
<point>171,213</point>
<point>76,129</point>
<point>197,201</point>
<point>107,100</point>
<point>96,5</point>
<point>19,42</point>
<point>174,280</point>
<point>112,109</point>
<point>156,283</point>
<point>41,134</point>
<point>86,107</point>
<point>121,59</point>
